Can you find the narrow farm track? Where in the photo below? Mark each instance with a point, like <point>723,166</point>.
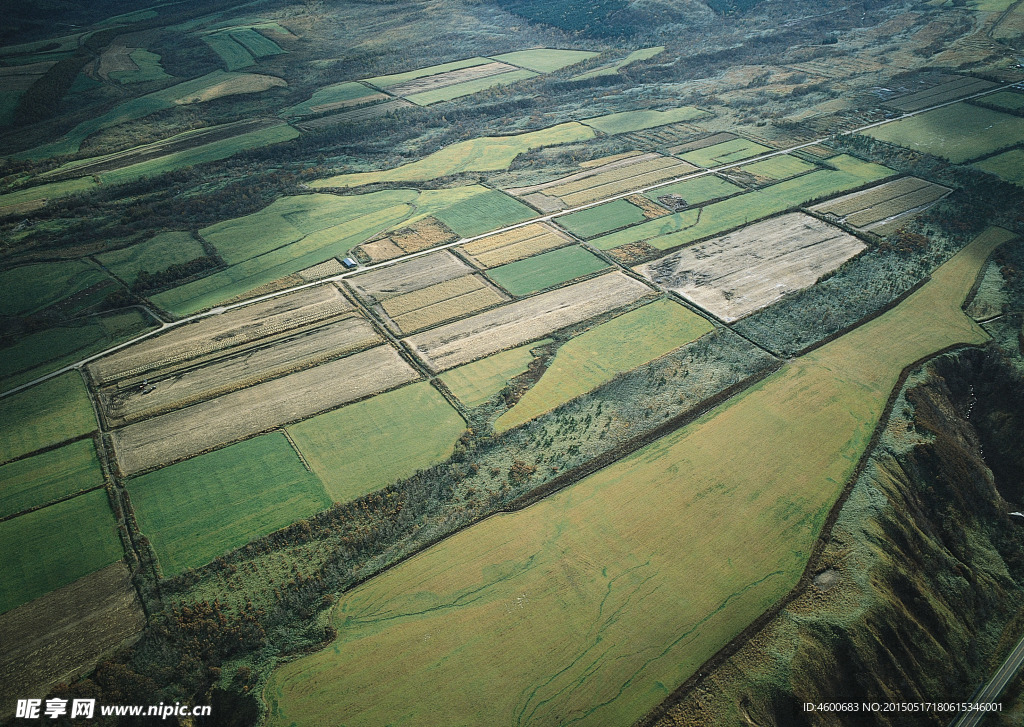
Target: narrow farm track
<point>545,218</point>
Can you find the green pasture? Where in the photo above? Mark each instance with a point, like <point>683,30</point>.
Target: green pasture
<point>149,68</point>
<point>393,79</point>
<point>45,414</point>
<point>957,133</point>
<point>30,288</point>
<point>364,446</point>
<point>1009,100</point>
<point>625,121</point>
<point>596,356</point>
<point>603,218</point>
<point>474,383</point>
<point>1008,166</point>
<point>726,152</point>
<point>546,270</point>
<point>258,45</point>
<point>698,190</point>
<point>52,547</point>
<point>46,477</point>
<point>203,507</point>
<point>153,255</point>
<point>642,54</point>
<point>54,190</point>
<point>483,154</point>
<point>490,210</point>
<point>783,166</point>
<point>233,53</point>
<point>591,606</point>
<point>694,224</point>
<point>457,90</point>
<point>333,94</point>
<point>545,60</point>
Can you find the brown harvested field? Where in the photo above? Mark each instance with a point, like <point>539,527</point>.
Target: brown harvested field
<point>735,274</point>
<point>439,303</point>
<point>440,80</point>
<point>703,142</point>
<point>260,408</point>
<point>353,116</point>
<point>63,634</point>
<point>381,250</point>
<point>408,275</point>
<point>951,87</point>
<point>240,326</point>
<point>513,245</point>
<point>325,269</point>
<point>242,83</point>
<point>511,325</point>
<point>126,402</point>
<point>115,58</point>
<point>651,210</point>
<point>878,205</point>
<point>661,136</point>
<point>422,235</point>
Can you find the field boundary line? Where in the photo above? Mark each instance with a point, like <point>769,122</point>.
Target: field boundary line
<point>295,447</point>
<point>64,498</point>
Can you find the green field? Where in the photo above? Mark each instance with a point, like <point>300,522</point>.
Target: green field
<point>957,133</point>
<point>257,44</point>
<point>545,60</point>
<point>726,152</point>
<point>394,79</point>
<point>46,477</point>
<point>484,154</point>
<point>697,191</point>
<point>46,414</point>
<point>694,224</point>
<point>457,90</point>
<point>149,68</point>
<point>474,383</point>
<point>196,510</point>
<point>625,121</point>
<point>1009,166</point>
<point>593,605</point>
<point>491,210</point>
<point>783,166</point>
<point>546,270</point>
<point>370,444</point>
<point>1009,100</point>
<point>52,547</point>
<point>54,190</point>
<point>39,353</point>
<point>603,218</point>
<point>233,53</point>
<point>349,91</point>
<point>153,255</point>
<point>30,288</point>
<point>596,356</point>
<point>638,55</point>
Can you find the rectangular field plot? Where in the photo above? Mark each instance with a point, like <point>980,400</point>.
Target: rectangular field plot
<point>491,210</point>
<point>336,96</point>
<point>236,327</point>
<point>881,204</point>
<point>475,383</point>
<point>49,548</point>
<point>545,60</point>
<point>693,192</point>
<point>1006,100</point>
<point>702,143</point>
<point>627,121</point>
<point>408,276</point>
<point>957,133</point>
<point>513,245</point>
<point>736,274</point>
<point>458,90</point>
<point>598,355</point>
<point>437,303</point>
<point>511,325</point>
<point>602,219</point>
<point>396,79</point>
<point>545,270</point>
<point>370,444</point>
<point>696,223</point>
<point>779,167</point>
<point>449,78</point>
<point>953,87</point>
<point>725,152</point>
<point>45,414</point>
<point>201,508</point>
<point>195,429</point>
<point>154,255</point>
<point>50,476</point>
<point>1008,166</point>
<point>129,401</point>
<point>357,115</point>
<point>30,288</point>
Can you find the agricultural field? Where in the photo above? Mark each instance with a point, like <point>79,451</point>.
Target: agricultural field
<point>128,402</point>
<point>408,276</point>
<point>458,90</point>
<point>453,77</point>
<point>545,60</point>
<point>642,54</point>
<point>438,303</point>
<point>195,429</point>
<point>475,383</point>
<point>597,601</point>
<point>958,133</point>
<point>491,210</point>
<point>147,68</point>
<point>1008,166</point>
<point>513,245</point>
<point>353,116</point>
<point>288,313</point>
<point>397,79</point>
<point>1005,100</point>
<point>512,325</point>
<point>880,205</point>
<point>56,545</point>
<point>370,444</point>
<point>702,142</point>
<point>483,154</point>
<point>949,88</point>
<point>546,270</point>
<point>336,96</point>
<point>241,47</point>
<point>196,510</point>
<point>599,354</point>
<point>153,255</point>
<point>734,275</point>
<point>64,633</point>
<point>31,288</point>
<point>777,168</point>
<point>422,235</point>
<point>626,121</point>
<point>693,192</point>
<point>602,219</point>
<point>846,173</point>
<point>44,478</point>
<point>45,414</point>
<point>724,152</point>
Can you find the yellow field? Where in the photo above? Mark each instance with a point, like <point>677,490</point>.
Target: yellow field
<point>592,605</point>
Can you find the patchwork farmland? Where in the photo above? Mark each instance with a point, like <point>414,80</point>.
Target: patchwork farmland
<point>883,205</point>
<point>507,247</point>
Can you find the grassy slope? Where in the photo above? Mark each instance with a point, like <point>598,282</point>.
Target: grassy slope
<point>335,93</point>
<point>638,55</point>
<point>49,548</point>
<point>545,270</point>
<point>364,446</point>
<point>601,219</point>
<point>47,477</point>
<point>474,383</point>
<point>394,79</point>
<point>625,121</point>
<point>198,509</point>
<point>31,287</point>
<point>154,255</point>
<point>457,90</point>
<point>51,412</point>
<point>593,604</point>
<point>545,60</point>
